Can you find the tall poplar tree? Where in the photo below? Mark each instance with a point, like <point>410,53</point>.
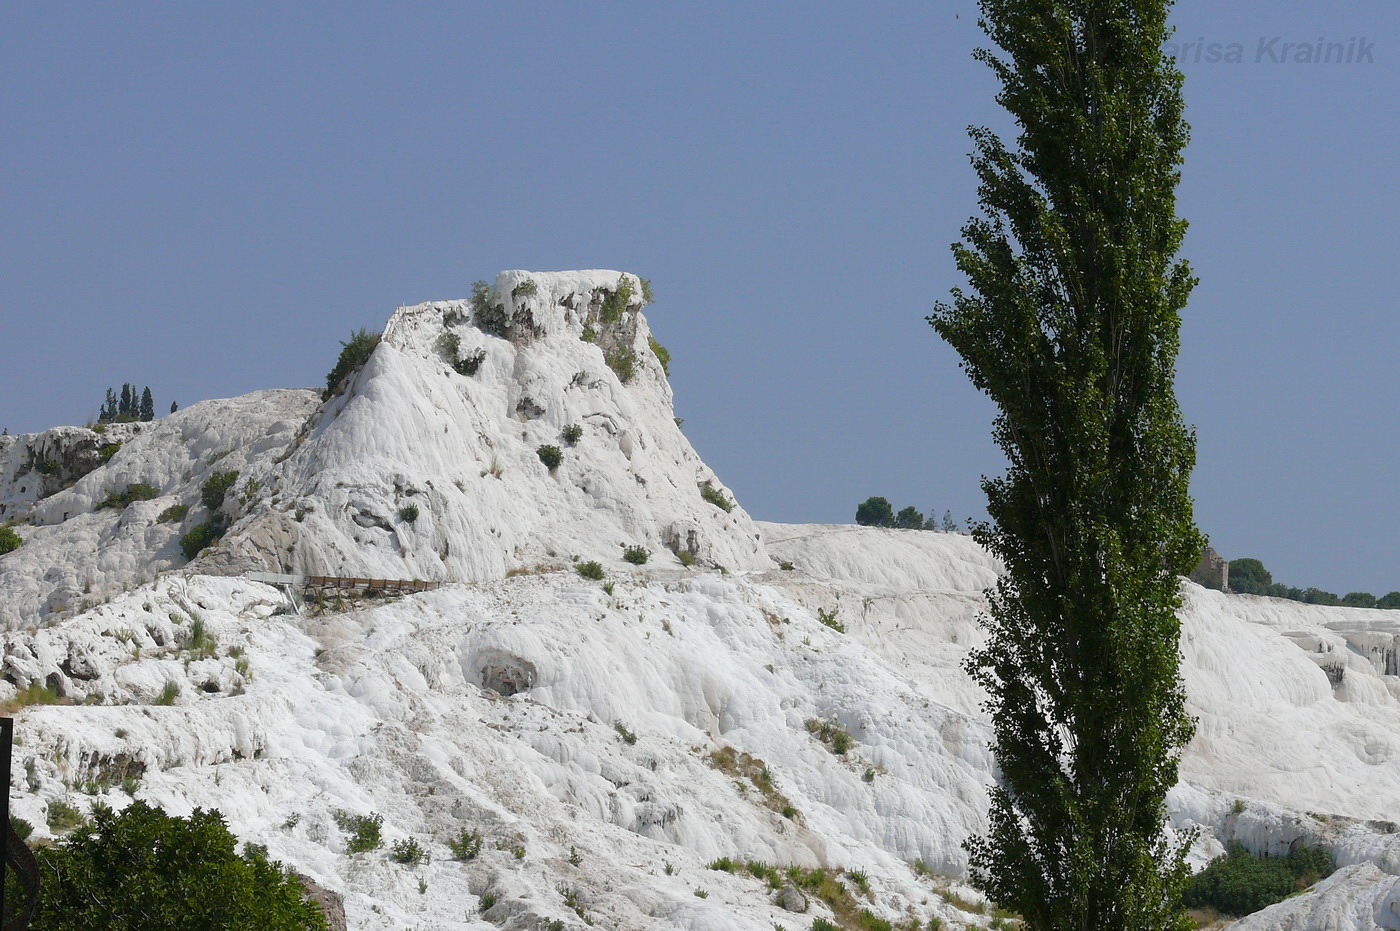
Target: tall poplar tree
<point>1071,326</point>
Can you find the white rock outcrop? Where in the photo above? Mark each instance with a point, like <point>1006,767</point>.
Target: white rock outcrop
<point>606,739</point>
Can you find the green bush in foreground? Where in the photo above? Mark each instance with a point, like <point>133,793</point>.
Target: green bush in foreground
<point>551,456</point>
<point>590,570</point>
<point>1239,882</point>
<point>137,491</point>
<point>144,870</point>
<point>9,541</point>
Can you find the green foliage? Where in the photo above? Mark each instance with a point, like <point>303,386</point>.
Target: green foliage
<point>62,817</point>
<point>716,497</point>
<point>661,354</point>
<point>1071,327</point>
<point>590,570</point>
<point>199,640</point>
<point>21,827</point>
<point>168,694</point>
<point>623,361</point>
<point>488,311</point>
<point>35,693</point>
<point>526,288</point>
<point>636,555</point>
<point>551,456</point>
<point>875,512</point>
<point>837,739</point>
<point>1390,600</point>
<point>9,540</point>
<point>617,301</point>
<point>204,535</point>
<point>173,514</point>
<point>448,345</point>
<point>106,451</point>
<point>468,364</point>
<point>1249,577</point>
<point>408,513</point>
<point>571,433</point>
<point>686,557</point>
<point>408,852</point>
<point>466,845</point>
<point>1359,600</point>
<point>216,487</point>
<point>647,297</point>
<point>829,619</point>
<point>590,335</point>
<point>909,518</point>
<point>143,869</point>
<point>354,353</point>
<point>138,491</point>
<point>821,924</point>
<point>48,466</point>
<point>724,865</point>
<point>1239,882</point>
<point>627,736</point>
<point>364,830</point>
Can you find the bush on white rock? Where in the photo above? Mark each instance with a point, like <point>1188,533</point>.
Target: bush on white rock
<point>501,704</point>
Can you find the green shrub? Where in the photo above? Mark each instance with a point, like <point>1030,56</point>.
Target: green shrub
<point>716,497</point>
<point>466,845</point>
<point>168,694</point>
<point>139,491</point>
<point>62,816</point>
<point>199,640</point>
<point>468,364</point>
<point>408,513</point>
<point>448,344</point>
<point>821,924</point>
<point>617,301</point>
<point>589,334</point>
<point>145,869</point>
<point>488,312</point>
<point>354,353</point>
<point>875,512</point>
<point>647,297</point>
<point>551,456</point>
<point>687,558</point>
<point>627,736</point>
<point>48,466</point>
<point>623,361</point>
<point>364,830</point>
<point>216,487</point>
<point>106,451</point>
<point>724,865</point>
<point>407,851</point>
<point>661,354</point>
<point>1359,600</point>
<point>526,288</point>
<point>173,514</point>
<point>21,827</point>
<point>829,619</point>
<point>204,535</point>
<point>590,570</point>
<point>1390,600</point>
<point>636,555</point>
<point>9,540</point>
<point>837,739</point>
<point>571,433</point>
<point>1239,883</point>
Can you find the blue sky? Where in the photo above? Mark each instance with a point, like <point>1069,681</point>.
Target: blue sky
<point>205,198</point>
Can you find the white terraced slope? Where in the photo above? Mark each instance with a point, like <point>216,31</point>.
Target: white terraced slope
<point>608,739</point>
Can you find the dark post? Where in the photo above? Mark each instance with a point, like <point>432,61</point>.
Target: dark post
<point>7,733</point>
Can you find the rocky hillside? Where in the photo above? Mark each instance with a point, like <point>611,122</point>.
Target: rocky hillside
<point>613,750</point>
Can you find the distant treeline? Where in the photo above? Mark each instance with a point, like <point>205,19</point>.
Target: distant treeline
<point>878,512</point>
<point>127,407</point>
<point>1249,577</point>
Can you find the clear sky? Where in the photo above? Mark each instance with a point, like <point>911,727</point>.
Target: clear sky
<point>206,197</point>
